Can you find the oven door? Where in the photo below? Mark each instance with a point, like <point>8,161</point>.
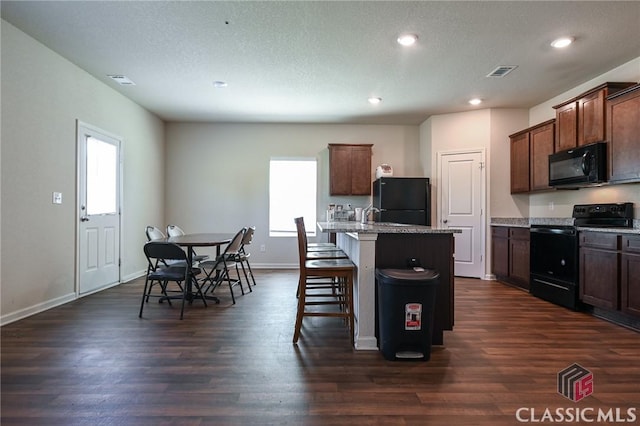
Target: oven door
<point>554,264</point>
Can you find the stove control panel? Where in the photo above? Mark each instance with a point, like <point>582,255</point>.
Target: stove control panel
<point>610,210</point>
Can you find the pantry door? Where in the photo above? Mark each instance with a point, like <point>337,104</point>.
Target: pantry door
<point>461,201</point>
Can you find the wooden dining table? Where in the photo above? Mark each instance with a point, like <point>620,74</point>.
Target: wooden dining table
<point>190,241</point>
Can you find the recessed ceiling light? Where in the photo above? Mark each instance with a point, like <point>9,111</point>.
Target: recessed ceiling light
<point>219,84</point>
<point>407,39</point>
<point>374,100</point>
<point>559,43</point>
<point>475,101</point>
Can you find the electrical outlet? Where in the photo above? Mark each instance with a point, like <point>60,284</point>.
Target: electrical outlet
<point>57,198</point>
<point>263,248</point>
<point>551,205</point>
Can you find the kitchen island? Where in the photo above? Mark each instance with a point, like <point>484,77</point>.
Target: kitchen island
<point>392,245</point>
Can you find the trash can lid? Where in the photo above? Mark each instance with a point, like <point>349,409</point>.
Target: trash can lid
<point>415,274</point>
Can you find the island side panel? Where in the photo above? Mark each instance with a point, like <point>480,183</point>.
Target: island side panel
<point>435,251</point>
<point>361,250</point>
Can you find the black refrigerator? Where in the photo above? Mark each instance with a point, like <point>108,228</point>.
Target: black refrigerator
<point>402,200</point>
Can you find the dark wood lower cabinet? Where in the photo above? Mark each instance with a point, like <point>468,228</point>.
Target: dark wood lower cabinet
<point>599,278</point>
<point>519,257</point>
<point>630,275</point>
<point>610,275</point>
<point>510,255</point>
<point>500,251</point>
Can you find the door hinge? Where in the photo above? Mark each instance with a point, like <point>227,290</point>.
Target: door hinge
<point>481,165</point>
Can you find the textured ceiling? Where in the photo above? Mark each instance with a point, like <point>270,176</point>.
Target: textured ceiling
<point>320,61</point>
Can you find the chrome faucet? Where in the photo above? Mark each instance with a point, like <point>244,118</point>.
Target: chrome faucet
<point>366,211</point>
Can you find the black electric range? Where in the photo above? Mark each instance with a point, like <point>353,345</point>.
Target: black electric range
<point>554,250</point>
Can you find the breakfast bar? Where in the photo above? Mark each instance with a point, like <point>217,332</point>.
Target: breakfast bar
<point>393,245</point>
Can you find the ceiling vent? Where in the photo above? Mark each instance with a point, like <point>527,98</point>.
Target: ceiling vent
<point>122,80</point>
<point>502,70</point>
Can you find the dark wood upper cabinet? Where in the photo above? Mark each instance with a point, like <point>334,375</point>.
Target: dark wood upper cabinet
<point>520,163</point>
<point>566,126</point>
<point>591,118</point>
<point>530,149</point>
<point>583,119</point>
<point>542,140</point>
<point>623,135</point>
<point>349,169</point>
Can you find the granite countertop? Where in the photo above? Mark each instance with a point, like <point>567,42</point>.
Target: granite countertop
<point>382,228</point>
<point>518,222</point>
<point>526,222</point>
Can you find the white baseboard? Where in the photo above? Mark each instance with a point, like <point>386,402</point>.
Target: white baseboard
<point>489,277</point>
<point>133,276</point>
<point>36,309</point>
<point>274,266</point>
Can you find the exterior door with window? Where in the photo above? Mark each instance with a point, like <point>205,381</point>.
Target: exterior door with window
<point>99,209</point>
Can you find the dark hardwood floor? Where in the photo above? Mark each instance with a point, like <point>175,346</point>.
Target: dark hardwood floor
<point>94,362</point>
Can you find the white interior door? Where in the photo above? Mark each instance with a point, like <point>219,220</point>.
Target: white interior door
<point>461,204</point>
<point>99,209</point>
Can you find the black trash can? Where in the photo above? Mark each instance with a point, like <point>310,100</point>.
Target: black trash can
<point>406,301</point>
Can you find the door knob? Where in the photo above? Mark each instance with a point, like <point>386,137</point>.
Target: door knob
<point>84,219</point>
<point>445,221</point>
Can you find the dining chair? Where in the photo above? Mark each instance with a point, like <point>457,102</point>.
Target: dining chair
<point>154,233</point>
<point>176,231</point>
<point>181,272</point>
<point>334,288</point>
<point>243,255</point>
<point>217,271</point>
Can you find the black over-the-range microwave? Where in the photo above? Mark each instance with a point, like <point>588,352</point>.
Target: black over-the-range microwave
<point>582,166</point>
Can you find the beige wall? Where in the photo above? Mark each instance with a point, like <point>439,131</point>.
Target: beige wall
<point>220,172</point>
<point>486,129</point>
<point>42,97</point>
<point>454,132</point>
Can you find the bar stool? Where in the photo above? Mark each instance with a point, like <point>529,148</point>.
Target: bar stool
<point>338,291</point>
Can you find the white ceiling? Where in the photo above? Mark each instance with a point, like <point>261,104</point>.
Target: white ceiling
<point>318,62</point>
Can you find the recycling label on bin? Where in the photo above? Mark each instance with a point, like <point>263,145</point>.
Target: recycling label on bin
<point>413,316</point>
